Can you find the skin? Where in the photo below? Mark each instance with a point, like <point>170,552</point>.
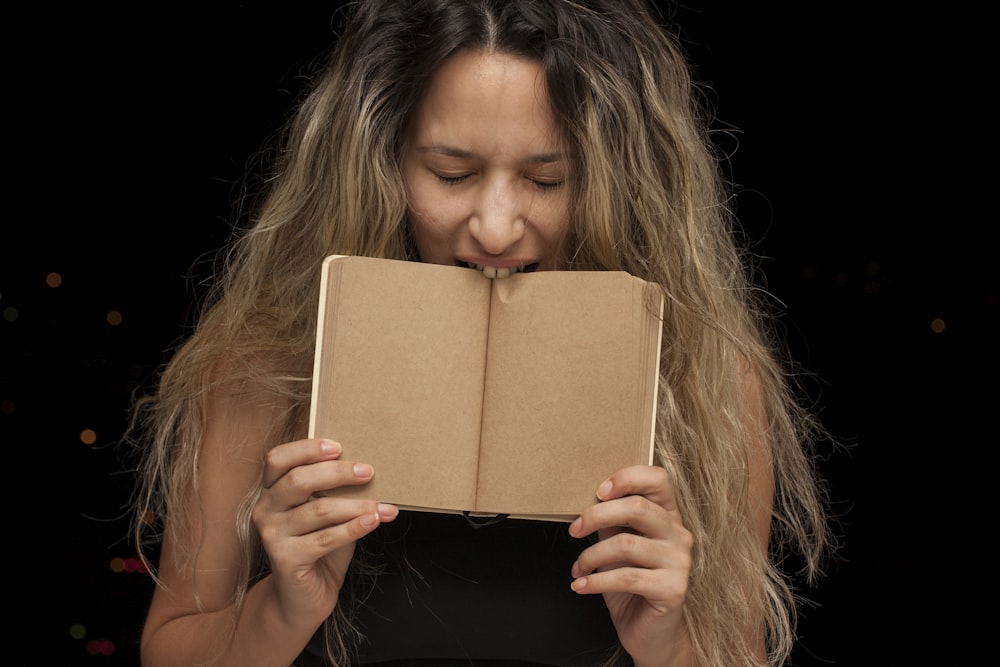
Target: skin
<point>484,168</point>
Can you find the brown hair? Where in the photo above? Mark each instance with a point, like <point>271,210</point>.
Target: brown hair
<point>649,199</point>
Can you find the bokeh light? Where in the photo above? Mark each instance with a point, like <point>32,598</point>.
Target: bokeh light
<point>130,565</point>
<point>937,325</point>
<point>100,647</point>
<point>10,314</point>
<point>53,279</point>
<point>77,631</point>
<point>88,436</point>
<point>114,318</point>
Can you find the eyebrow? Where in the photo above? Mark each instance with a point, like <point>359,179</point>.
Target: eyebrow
<point>450,151</point>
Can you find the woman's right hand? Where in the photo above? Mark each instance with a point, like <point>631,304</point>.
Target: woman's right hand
<point>309,538</point>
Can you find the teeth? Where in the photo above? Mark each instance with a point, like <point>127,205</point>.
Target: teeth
<point>494,272</point>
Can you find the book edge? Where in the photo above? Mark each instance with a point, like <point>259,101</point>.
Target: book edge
<point>656,381</point>
<point>324,283</point>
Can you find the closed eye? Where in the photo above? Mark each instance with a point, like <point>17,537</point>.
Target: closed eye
<point>452,180</point>
<point>547,185</point>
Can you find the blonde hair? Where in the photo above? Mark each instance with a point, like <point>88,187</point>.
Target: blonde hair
<point>650,200</point>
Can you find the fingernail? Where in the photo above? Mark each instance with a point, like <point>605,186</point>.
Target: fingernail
<point>329,447</point>
<point>574,527</point>
<point>387,511</point>
<point>579,584</point>
<point>369,520</point>
<point>362,470</point>
<point>604,490</point>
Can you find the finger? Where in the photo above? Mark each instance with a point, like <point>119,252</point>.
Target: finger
<point>663,590</point>
<point>636,513</point>
<point>652,482</point>
<point>302,483</point>
<point>621,550</point>
<point>323,512</point>
<point>308,546</point>
<point>656,570</point>
<point>285,457</point>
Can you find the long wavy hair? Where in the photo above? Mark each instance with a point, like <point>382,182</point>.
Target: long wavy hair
<point>649,198</point>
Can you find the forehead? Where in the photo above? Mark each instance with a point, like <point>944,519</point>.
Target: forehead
<point>486,89</point>
<point>487,69</point>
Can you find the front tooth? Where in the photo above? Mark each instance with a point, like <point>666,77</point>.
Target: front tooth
<point>494,272</point>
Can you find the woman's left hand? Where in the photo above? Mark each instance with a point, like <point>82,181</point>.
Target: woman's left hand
<point>640,564</point>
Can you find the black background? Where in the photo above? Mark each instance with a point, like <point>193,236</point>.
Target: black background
<point>856,138</point>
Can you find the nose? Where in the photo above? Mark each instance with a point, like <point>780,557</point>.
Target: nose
<point>498,221</point>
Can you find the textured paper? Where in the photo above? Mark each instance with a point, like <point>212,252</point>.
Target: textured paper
<point>515,395</point>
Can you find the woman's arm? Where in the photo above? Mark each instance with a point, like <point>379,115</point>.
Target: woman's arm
<point>309,543</point>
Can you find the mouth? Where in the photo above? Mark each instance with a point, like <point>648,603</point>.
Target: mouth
<point>501,272</point>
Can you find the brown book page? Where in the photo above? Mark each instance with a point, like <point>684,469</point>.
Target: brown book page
<point>571,382</point>
<point>399,377</point>
<point>401,365</point>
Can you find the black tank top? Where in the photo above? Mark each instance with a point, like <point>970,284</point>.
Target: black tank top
<point>453,589</point>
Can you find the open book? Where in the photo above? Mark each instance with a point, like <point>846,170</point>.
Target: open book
<point>515,395</point>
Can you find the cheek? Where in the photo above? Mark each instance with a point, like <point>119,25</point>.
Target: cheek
<point>433,212</point>
<point>553,219</point>
<point>434,225</point>
<point>424,227</point>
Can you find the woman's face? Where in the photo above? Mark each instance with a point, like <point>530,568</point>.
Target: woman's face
<point>486,171</point>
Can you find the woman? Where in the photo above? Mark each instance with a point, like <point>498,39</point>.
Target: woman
<point>500,135</point>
